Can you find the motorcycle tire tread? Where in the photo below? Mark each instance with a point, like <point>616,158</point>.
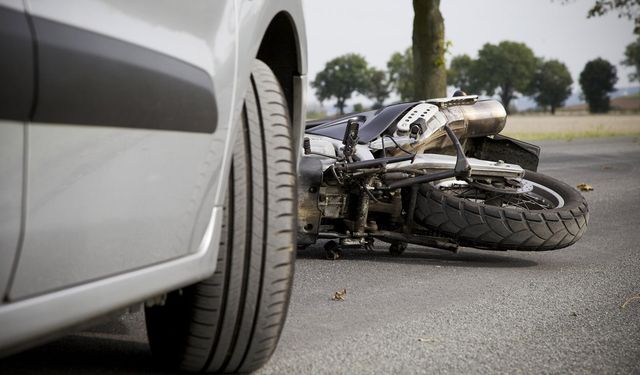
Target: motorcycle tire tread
<point>501,228</point>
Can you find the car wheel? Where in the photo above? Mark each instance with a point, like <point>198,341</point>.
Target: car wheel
<point>232,321</point>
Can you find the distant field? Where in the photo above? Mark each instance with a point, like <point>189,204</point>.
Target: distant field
<point>629,103</point>
<point>535,127</point>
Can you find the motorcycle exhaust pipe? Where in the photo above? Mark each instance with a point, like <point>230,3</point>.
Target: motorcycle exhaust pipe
<point>486,117</point>
<point>483,118</point>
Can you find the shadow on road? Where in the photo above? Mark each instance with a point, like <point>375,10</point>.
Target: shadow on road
<point>83,355</point>
<point>426,256</point>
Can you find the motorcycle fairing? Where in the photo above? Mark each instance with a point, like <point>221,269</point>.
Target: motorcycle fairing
<point>372,123</point>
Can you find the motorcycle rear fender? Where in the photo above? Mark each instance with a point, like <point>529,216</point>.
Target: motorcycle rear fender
<point>500,147</point>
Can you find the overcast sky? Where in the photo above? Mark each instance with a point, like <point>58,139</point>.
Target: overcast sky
<point>378,28</point>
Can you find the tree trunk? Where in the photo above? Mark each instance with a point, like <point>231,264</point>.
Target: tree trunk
<point>429,69</point>
<point>506,94</point>
<point>553,109</point>
<point>340,104</point>
<point>506,100</point>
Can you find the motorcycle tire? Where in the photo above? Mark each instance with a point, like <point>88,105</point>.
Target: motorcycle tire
<point>231,322</point>
<point>475,224</point>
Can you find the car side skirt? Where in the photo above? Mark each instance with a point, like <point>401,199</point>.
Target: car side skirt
<point>29,322</point>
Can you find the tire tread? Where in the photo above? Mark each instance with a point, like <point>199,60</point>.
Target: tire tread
<point>476,225</point>
<point>232,321</point>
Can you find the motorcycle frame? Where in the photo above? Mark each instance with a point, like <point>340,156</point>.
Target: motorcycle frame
<point>430,167</point>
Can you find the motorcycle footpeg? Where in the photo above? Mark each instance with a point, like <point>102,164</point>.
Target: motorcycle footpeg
<point>397,248</point>
<point>332,250</point>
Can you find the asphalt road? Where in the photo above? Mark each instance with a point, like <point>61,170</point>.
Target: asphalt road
<point>434,312</point>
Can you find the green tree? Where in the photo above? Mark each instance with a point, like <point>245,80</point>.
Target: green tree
<point>551,85</point>
<point>428,50</point>
<point>340,78</point>
<point>379,87</point>
<point>597,80</point>
<point>505,68</point>
<point>400,68</point>
<point>629,9</point>
<point>632,59</point>
<point>461,74</point>
<point>358,107</point>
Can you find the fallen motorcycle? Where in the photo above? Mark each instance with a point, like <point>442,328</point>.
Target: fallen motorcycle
<point>435,173</point>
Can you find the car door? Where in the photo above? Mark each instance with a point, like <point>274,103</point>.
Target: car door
<point>127,136</point>
<point>16,95</point>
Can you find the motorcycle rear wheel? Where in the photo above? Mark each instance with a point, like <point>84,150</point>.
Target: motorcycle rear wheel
<point>534,226</point>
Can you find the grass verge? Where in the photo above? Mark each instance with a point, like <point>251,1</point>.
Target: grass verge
<point>570,135</point>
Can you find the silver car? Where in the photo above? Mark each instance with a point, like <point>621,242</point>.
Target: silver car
<point>147,157</point>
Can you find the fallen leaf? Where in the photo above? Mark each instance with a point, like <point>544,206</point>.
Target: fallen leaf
<point>340,295</point>
<point>628,300</point>
<point>585,187</point>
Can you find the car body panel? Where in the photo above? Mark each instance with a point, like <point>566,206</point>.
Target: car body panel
<point>16,98</point>
<point>105,200</point>
<point>111,193</point>
<point>11,170</point>
<point>95,187</point>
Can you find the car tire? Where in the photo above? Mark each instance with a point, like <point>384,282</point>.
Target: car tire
<point>231,322</point>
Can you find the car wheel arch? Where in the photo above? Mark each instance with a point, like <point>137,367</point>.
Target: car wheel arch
<point>281,50</point>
